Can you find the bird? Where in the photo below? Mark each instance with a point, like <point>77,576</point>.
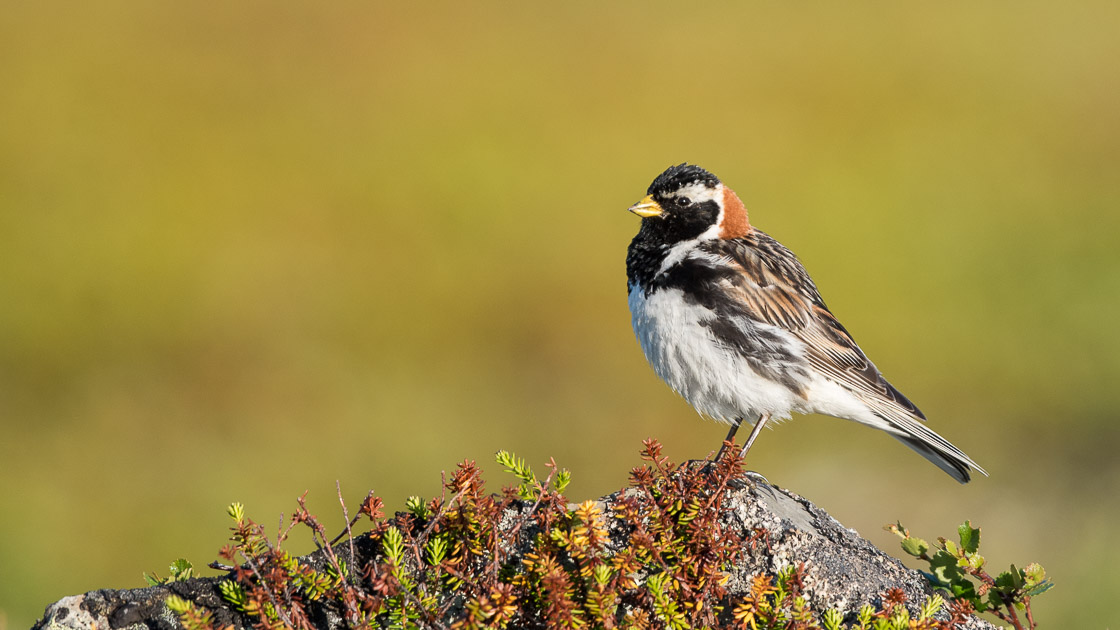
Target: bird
<point>729,318</point>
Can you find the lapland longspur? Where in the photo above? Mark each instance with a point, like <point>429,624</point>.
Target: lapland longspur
<point>730,319</point>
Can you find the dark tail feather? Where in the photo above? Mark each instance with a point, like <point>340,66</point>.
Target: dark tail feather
<point>943,454</point>
<point>909,429</point>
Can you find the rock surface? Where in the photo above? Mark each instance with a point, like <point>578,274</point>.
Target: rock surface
<point>842,570</point>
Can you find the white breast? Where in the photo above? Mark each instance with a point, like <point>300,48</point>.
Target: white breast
<point>713,378</point>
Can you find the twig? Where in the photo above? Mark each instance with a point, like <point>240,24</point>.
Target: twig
<point>351,522</point>
<point>346,516</point>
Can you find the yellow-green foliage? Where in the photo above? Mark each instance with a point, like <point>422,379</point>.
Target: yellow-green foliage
<point>959,568</point>
<point>460,561</point>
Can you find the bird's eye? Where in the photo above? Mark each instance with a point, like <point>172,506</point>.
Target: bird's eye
<point>684,201</point>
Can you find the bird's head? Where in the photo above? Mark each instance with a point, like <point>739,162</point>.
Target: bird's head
<point>687,202</point>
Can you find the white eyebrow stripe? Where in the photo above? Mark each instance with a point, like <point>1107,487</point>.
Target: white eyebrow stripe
<point>698,192</point>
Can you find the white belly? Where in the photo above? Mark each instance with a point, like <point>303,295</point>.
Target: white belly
<point>714,379</point>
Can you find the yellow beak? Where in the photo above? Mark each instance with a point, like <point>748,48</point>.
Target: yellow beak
<point>646,208</point>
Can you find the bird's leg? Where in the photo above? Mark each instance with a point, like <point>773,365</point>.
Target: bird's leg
<point>730,435</point>
<point>754,434</point>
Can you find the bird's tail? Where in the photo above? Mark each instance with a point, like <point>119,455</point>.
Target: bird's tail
<point>911,431</point>
<point>946,456</point>
<point>906,423</point>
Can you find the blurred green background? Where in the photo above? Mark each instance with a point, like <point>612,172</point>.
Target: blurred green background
<point>251,249</point>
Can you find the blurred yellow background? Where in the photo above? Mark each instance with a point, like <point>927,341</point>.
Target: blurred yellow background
<point>251,249</point>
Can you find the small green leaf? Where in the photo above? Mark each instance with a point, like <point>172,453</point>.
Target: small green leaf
<point>394,545</point>
<point>975,561</point>
<point>963,589</point>
<point>417,507</point>
<point>181,570</point>
<point>970,537</point>
<point>901,618</point>
<point>1008,580</point>
<point>785,576</point>
<point>944,567</point>
<point>1034,573</point>
<point>951,548</point>
<point>932,604</point>
<point>915,546</point>
<point>233,593</point>
<point>602,574</point>
<point>1017,576</point>
<point>832,619</point>
<point>436,549</point>
<point>177,604</point>
<point>236,511</point>
<point>563,478</point>
<point>335,575</point>
<point>529,488</point>
<point>1038,589</point>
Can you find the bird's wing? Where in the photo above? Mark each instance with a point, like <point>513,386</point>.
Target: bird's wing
<point>761,281</point>
<point>772,287</point>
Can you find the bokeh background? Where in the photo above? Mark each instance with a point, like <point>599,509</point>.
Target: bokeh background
<point>251,249</point>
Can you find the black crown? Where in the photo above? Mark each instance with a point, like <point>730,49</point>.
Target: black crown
<point>676,177</point>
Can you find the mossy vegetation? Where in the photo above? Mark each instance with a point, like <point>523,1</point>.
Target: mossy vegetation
<point>527,558</point>
<point>958,568</point>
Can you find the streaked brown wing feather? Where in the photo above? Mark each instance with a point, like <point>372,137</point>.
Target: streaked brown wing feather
<point>832,351</point>
<point>774,288</point>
